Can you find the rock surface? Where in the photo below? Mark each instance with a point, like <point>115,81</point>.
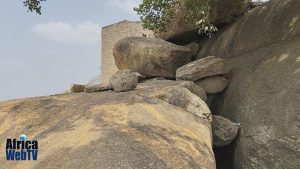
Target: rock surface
<point>150,56</point>
<point>192,87</point>
<point>201,68</point>
<point>108,130</point>
<point>182,97</point>
<point>97,88</point>
<point>178,30</point>
<point>264,90</point>
<point>158,82</point>
<point>77,88</point>
<point>252,32</point>
<point>194,47</point>
<point>224,131</point>
<point>123,80</point>
<point>214,84</point>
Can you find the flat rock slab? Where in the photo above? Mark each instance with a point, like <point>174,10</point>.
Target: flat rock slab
<point>201,68</point>
<point>150,56</point>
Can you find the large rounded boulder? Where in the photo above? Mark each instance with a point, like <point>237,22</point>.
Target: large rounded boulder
<point>150,56</point>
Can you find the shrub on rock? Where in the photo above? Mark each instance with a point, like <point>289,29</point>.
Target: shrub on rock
<point>177,20</point>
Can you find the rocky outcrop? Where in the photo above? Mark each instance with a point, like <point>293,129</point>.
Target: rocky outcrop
<point>214,84</point>
<point>178,30</point>
<point>123,80</point>
<point>136,129</point>
<point>150,56</point>
<point>201,68</point>
<point>224,131</point>
<point>262,49</point>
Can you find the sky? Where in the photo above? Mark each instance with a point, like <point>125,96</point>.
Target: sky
<point>44,54</point>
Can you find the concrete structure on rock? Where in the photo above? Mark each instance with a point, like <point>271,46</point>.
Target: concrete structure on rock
<point>112,34</point>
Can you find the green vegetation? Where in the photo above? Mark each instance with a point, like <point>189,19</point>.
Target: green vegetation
<point>33,5</point>
<point>156,14</point>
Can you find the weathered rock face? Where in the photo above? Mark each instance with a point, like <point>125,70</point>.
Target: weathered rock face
<point>264,90</point>
<point>192,87</point>
<point>108,130</point>
<point>260,27</point>
<point>214,84</point>
<point>194,47</point>
<point>150,56</point>
<point>182,97</point>
<point>123,80</point>
<point>158,82</point>
<point>224,131</point>
<point>179,30</point>
<point>201,68</point>
<point>97,88</point>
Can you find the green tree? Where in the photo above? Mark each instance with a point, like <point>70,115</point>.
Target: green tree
<point>33,5</point>
<point>156,14</point>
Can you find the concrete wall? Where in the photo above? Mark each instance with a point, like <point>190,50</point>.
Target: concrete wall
<point>112,34</point>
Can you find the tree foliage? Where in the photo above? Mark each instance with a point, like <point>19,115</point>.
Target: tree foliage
<point>33,5</point>
<point>156,14</point>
